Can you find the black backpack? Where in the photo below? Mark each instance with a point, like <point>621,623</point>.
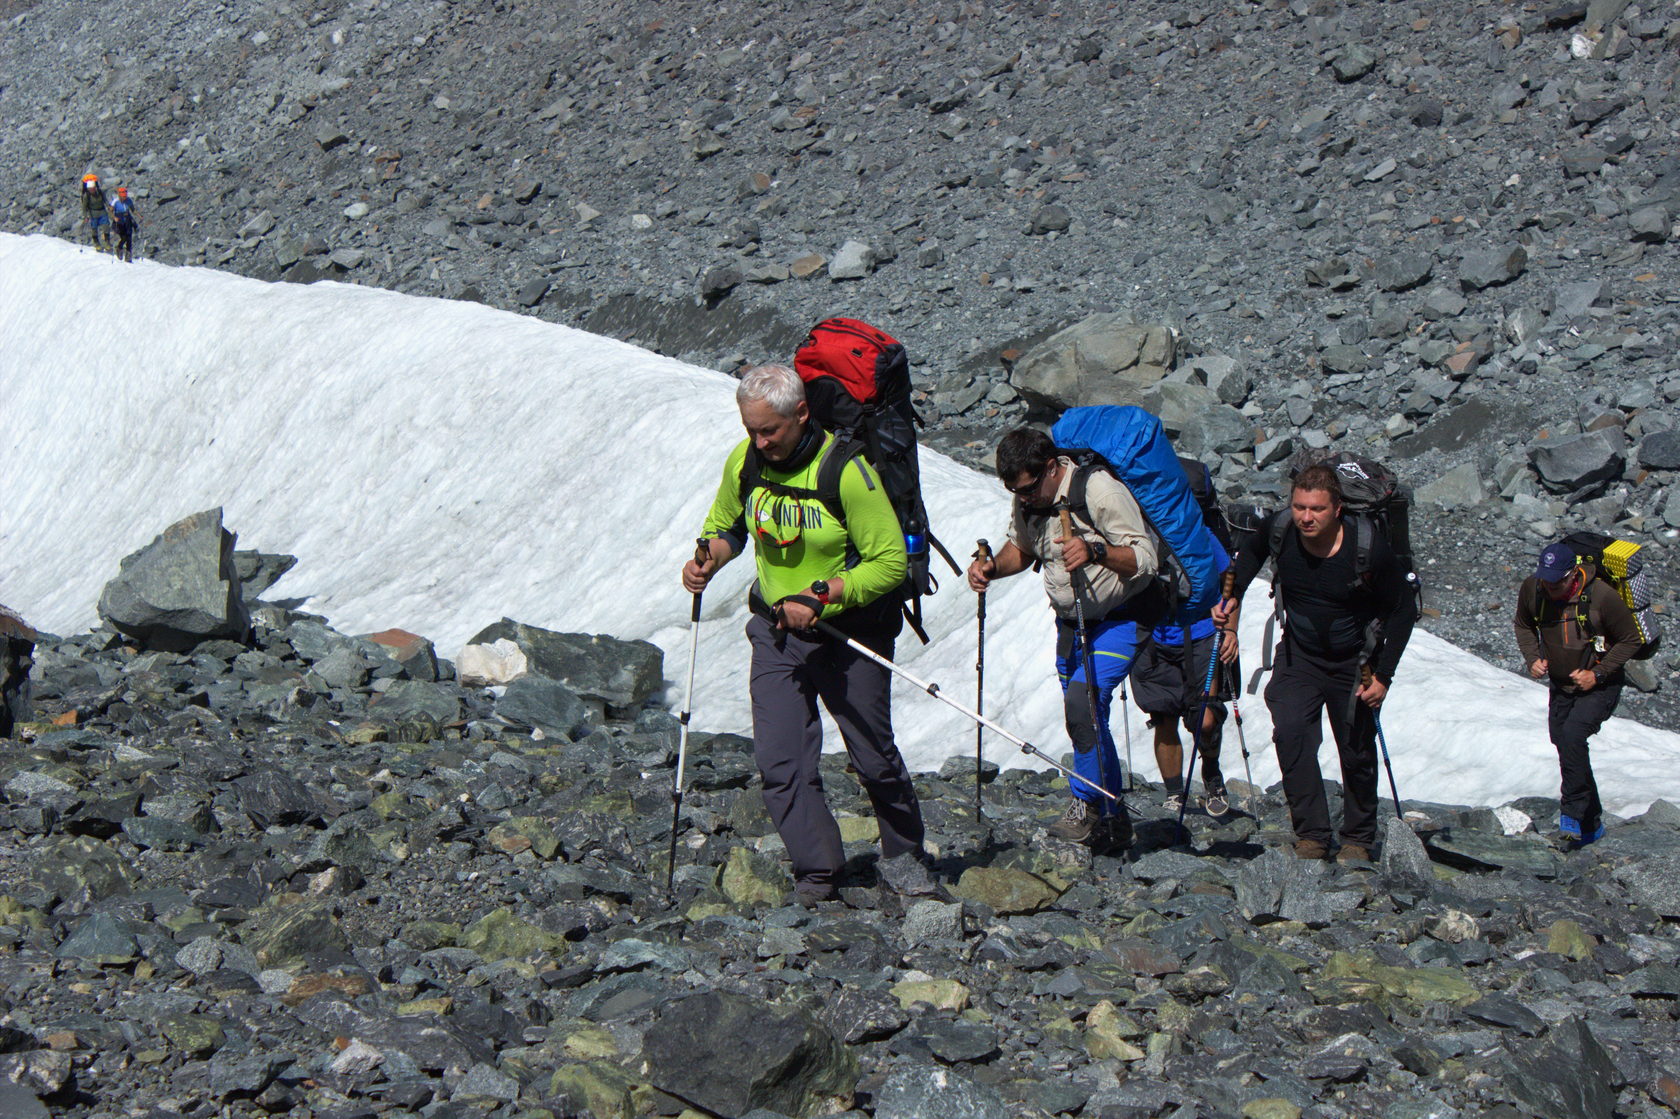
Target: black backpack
<point>857,385</point>
<point>1373,499</point>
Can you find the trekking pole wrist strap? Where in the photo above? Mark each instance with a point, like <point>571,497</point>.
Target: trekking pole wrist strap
<point>808,601</point>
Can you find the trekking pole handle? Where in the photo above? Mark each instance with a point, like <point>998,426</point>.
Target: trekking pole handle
<point>702,555</point>
<point>982,551</point>
<point>1365,675</point>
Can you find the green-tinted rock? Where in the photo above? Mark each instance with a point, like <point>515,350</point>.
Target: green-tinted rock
<point>286,931</point>
<point>749,878</point>
<point>522,833</point>
<point>1415,984</point>
<point>85,868</point>
<point>941,994</point>
<point>1106,1031</point>
<point>1006,890</point>
<point>601,1087</point>
<point>20,916</point>
<point>394,805</point>
<point>858,829</point>
<point>427,935</point>
<point>194,1033</point>
<point>499,935</point>
<point>1273,1108</point>
<point>589,1042</point>
<point>1568,938</point>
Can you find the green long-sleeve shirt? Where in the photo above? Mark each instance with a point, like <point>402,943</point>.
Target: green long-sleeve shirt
<point>797,541</point>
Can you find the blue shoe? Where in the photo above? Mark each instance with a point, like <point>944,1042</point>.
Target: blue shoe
<point>1593,836</point>
<point>1570,827</point>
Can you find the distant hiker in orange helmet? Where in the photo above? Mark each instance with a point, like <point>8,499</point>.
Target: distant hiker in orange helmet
<point>97,212</point>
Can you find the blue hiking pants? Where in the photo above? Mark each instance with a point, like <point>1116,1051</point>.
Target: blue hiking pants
<point>1094,757</point>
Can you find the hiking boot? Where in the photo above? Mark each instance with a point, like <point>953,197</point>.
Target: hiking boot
<point>1311,849</point>
<point>1076,823</point>
<point>813,894</point>
<point>906,875</point>
<point>1174,804</point>
<point>1353,853</point>
<point>1213,800</point>
<point>1111,835</point>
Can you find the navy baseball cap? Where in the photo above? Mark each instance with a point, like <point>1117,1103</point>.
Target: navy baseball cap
<point>1556,561</point>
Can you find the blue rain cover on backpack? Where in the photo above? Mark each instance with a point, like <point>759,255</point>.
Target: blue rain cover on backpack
<point>1139,454</point>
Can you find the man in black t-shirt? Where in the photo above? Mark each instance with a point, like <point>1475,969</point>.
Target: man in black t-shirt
<point>1339,615</point>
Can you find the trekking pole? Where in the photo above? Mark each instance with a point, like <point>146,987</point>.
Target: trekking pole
<point>1196,729</point>
<point>1087,651</point>
<point>1128,780</point>
<point>701,555</point>
<point>933,690</point>
<point>1365,676</point>
<point>983,553</point>
<point>1234,677</point>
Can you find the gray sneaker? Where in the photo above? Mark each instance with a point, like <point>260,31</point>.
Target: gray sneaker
<point>1076,823</point>
<point>1214,802</point>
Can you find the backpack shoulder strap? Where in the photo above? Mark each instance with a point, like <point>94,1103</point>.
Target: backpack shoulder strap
<point>1076,501</point>
<point>1364,542</point>
<point>839,455</point>
<point>1279,528</point>
<point>751,467</point>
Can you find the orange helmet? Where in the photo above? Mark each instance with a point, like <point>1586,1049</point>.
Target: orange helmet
<point>89,178</point>
<point>122,192</point>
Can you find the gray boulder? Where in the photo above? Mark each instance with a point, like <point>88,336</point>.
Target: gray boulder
<point>1216,430</point>
<point>1574,462</point>
<point>1485,268</point>
<point>179,590</point>
<point>1660,451</point>
<point>620,674</point>
<point>1403,271</point>
<point>1458,488</point>
<point>1104,359</point>
<point>1566,1075</point>
<point>852,261</point>
<point>1650,224</point>
<point>729,1054</point>
<point>259,571</point>
<point>930,1092</point>
<point>547,705</point>
<point>1572,300</point>
<point>1179,405</point>
<point>1224,375</point>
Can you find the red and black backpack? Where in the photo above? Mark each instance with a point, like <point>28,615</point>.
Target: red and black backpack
<point>857,385</point>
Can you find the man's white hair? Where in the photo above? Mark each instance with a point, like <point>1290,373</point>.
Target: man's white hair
<point>776,385</point>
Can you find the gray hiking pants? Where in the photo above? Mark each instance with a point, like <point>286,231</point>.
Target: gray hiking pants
<point>790,673</point>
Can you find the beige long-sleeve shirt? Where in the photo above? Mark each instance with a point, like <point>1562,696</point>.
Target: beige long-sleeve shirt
<point>1112,516</point>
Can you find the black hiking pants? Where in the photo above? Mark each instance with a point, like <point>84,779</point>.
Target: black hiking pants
<point>1302,691</point>
<point>1573,718</point>
<point>790,673</point>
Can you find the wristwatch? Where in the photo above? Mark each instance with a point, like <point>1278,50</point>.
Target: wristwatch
<point>819,590</point>
<point>1099,552</point>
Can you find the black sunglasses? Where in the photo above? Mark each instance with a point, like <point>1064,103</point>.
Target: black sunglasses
<point>1026,490</point>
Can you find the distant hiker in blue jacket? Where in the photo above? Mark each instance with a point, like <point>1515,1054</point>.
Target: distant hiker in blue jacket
<point>127,220</point>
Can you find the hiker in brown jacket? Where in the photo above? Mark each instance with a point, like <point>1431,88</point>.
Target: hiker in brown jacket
<point>1574,629</point>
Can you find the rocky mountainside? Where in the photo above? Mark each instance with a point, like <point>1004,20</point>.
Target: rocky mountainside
<point>1438,234</point>
<point>253,866</point>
